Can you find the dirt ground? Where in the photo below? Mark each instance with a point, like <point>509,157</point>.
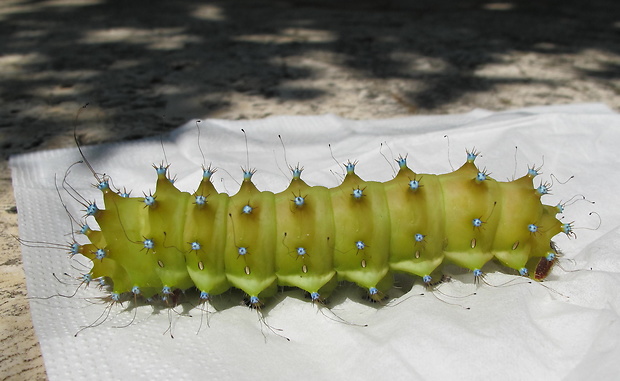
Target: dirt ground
<point>145,67</point>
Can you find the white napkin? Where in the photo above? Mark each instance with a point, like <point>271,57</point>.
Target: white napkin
<point>565,328</point>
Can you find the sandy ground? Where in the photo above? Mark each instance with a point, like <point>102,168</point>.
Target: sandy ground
<point>145,67</point>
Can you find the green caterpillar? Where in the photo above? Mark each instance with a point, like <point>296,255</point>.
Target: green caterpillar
<point>312,237</point>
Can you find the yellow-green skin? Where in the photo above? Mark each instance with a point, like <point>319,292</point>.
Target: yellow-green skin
<point>311,237</point>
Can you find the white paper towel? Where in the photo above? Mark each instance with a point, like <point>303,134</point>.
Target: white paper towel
<point>569,330</point>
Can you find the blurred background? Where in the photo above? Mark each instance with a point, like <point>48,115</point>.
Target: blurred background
<point>146,67</point>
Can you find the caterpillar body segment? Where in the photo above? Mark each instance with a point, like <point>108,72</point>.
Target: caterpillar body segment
<point>206,224</point>
<point>362,222</point>
<point>469,202</point>
<point>417,215</point>
<point>312,237</point>
<point>304,257</point>
<point>251,241</point>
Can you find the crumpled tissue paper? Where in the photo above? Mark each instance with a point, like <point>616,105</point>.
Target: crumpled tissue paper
<point>565,328</point>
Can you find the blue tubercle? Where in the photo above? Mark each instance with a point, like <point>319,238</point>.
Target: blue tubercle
<point>360,245</point>
<point>414,185</point>
<point>427,279</point>
<point>254,300</point>
<point>149,200</point>
<point>74,248</point>
<point>567,228</point>
<point>357,193</point>
<point>472,155</point>
<point>350,167</point>
<point>166,290</point>
<point>161,170</point>
<point>103,185</point>
<point>296,172</point>
<point>402,161</point>
<point>136,290</point>
<point>419,237</point>
<point>478,273</point>
<point>242,250</point>
<point>148,244</point>
<point>299,201</point>
<point>301,251</point>
<point>477,222</point>
<point>523,271</point>
<point>533,171</point>
<point>195,245</point>
<point>532,228</point>
<point>207,173</point>
<point>373,291</point>
<point>550,256</point>
<point>200,200</point>
<point>247,174</point>
<point>247,209</point>
<point>315,296</point>
<point>100,254</point>
<point>542,189</point>
<point>84,229</point>
<point>92,209</point>
<point>204,295</point>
